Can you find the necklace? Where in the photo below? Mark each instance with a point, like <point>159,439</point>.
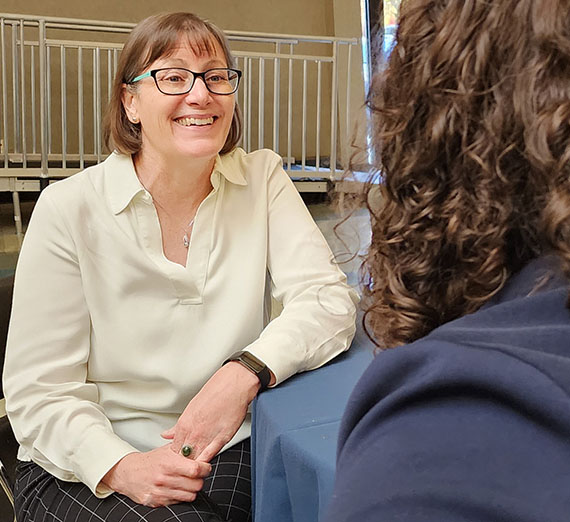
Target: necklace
<point>185,238</point>
<point>186,229</point>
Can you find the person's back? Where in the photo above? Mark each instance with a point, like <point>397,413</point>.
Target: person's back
<point>471,422</point>
<point>468,267</point>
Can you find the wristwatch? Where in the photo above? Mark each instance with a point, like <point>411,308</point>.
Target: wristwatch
<point>254,365</point>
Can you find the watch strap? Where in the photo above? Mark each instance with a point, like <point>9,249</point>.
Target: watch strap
<point>254,365</point>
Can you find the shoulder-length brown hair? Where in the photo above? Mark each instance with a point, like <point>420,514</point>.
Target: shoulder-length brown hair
<point>153,38</point>
<point>471,134</point>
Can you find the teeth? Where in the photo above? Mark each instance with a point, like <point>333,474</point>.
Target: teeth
<point>195,121</point>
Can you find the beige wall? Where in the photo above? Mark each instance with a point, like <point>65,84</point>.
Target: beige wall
<point>310,17</point>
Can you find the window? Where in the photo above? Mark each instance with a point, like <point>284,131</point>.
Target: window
<point>376,29</point>
<point>378,25</point>
<point>389,25</point>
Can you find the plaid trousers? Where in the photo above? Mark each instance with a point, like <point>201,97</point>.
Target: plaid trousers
<point>226,496</point>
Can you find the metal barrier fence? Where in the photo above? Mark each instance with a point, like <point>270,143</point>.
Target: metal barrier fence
<point>56,76</point>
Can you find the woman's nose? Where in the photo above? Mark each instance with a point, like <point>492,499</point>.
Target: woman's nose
<point>199,93</point>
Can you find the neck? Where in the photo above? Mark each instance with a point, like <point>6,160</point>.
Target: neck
<point>174,180</point>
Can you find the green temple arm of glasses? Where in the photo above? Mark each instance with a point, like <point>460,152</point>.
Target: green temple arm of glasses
<point>140,77</point>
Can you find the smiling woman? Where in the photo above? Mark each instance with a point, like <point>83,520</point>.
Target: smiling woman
<point>149,279</point>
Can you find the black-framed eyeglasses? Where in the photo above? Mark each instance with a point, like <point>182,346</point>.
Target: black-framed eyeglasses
<point>176,80</point>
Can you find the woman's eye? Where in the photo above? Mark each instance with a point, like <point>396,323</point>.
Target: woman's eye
<point>215,78</point>
<point>173,79</point>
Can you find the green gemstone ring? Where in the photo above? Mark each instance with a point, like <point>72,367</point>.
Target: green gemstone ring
<point>186,450</point>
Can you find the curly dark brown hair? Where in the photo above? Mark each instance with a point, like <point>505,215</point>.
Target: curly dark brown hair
<point>471,133</point>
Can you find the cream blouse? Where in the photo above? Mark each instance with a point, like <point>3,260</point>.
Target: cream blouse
<point>109,340</point>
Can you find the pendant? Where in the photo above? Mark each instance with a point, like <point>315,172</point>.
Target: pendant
<point>186,241</point>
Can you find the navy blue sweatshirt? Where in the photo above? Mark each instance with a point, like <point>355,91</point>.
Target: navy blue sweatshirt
<point>471,422</point>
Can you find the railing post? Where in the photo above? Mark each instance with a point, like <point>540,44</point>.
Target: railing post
<point>261,105</point>
<point>318,117</point>
<point>15,88</point>
<point>276,101</point>
<point>63,80</point>
<point>33,98</point>
<point>80,107</point>
<point>346,137</point>
<point>5,144</point>
<point>334,108</point>
<point>48,96</point>
<point>245,107</point>
<point>23,100</point>
<point>304,120</point>
<point>289,111</point>
<point>97,103</point>
<point>44,175</point>
<point>249,102</point>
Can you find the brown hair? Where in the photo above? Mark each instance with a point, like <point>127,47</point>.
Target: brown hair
<point>471,134</point>
<point>153,38</point>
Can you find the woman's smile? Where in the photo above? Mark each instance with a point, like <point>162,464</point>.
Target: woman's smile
<point>189,121</point>
<point>187,126</point>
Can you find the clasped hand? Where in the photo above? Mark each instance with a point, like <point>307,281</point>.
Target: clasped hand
<point>163,476</point>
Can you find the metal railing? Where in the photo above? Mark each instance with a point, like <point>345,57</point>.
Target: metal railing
<point>56,76</point>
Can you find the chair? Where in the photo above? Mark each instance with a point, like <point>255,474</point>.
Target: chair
<point>8,444</point>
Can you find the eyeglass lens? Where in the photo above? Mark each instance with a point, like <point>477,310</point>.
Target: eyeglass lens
<point>178,81</point>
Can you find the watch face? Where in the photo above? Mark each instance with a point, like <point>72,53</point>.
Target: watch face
<point>255,364</point>
<point>252,363</point>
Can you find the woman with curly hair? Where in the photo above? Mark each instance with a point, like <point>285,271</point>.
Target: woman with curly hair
<point>468,269</point>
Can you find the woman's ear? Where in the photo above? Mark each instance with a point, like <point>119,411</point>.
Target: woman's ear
<point>129,103</point>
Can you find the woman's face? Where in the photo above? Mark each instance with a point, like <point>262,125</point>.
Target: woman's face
<point>186,126</point>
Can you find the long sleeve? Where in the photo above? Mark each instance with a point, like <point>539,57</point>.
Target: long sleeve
<point>318,318</point>
<point>52,407</point>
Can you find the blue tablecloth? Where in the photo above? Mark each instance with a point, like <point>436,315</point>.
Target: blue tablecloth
<point>294,436</point>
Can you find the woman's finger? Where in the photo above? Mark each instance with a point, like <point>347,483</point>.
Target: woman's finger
<point>182,483</point>
<point>210,451</point>
<point>192,469</point>
<point>168,434</point>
